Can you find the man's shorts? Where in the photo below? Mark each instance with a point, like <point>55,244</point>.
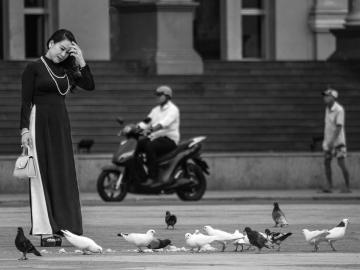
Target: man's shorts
<point>337,152</point>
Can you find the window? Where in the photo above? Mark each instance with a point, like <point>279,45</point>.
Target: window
<point>254,29</point>
<point>34,3</point>
<point>252,4</point>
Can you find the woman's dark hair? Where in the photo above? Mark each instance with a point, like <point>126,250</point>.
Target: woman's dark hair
<point>61,35</point>
<point>69,64</point>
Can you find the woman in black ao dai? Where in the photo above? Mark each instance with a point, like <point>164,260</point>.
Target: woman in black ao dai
<point>45,126</point>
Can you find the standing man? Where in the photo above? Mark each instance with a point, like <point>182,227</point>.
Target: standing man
<point>163,122</point>
<point>334,144</point>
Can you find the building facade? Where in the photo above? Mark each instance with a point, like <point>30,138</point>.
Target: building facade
<point>26,25</point>
<point>174,35</point>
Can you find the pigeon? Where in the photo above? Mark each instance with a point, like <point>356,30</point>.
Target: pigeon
<point>315,237</point>
<point>256,239</point>
<point>278,216</point>
<point>170,219</point>
<point>337,232</point>
<point>223,236</point>
<point>199,240</point>
<point>158,243</point>
<point>24,245</point>
<point>139,239</point>
<point>267,237</point>
<point>242,242</point>
<point>83,243</point>
<point>277,237</point>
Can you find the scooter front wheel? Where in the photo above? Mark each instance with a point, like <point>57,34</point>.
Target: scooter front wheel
<point>108,187</point>
<point>197,188</point>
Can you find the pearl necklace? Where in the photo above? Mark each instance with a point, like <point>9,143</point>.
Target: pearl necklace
<point>53,76</point>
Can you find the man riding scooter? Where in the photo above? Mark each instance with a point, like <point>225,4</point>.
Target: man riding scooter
<point>163,124</point>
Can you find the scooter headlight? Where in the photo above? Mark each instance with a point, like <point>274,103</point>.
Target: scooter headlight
<point>128,129</point>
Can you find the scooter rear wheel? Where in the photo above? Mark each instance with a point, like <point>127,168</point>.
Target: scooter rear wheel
<point>106,186</point>
<point>195,191</point>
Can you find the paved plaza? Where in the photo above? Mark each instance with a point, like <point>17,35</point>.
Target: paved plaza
<point>223,210</point>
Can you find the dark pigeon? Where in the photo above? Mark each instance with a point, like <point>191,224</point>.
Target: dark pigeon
<point>170,220</point>
<point>277,237</point>
<point>278,216</point>
<point>159,243</point>
<point>256,239</point>
<point>24,245</point>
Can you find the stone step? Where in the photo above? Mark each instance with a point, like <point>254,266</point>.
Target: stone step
<point>255,106</point>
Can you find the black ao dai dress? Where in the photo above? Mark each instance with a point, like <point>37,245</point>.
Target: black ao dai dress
<point>54,193</point>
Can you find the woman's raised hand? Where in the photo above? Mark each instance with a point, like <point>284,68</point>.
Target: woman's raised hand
<point>76,52</point>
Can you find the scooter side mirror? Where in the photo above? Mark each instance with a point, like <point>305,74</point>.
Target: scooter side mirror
<point>120,120</point>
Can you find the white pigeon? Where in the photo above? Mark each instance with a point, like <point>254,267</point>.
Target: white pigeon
<point>198,240</point>
<point>243,242</point>
<point>223,236</point>
<point>315,237</point>
<point>337,232</point>
<point>83,243</point>
<point>139,239</point>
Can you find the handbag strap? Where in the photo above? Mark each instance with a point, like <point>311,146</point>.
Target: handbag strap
<point>25,150</point>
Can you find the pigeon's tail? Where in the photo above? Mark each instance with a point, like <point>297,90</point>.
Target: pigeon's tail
<point>122,234</point>
<point>36,252</point>
<point>66,233</point>
<point>283,237</point>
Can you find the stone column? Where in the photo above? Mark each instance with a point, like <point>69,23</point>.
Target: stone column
<point>14,34</point>
<point>157,36</point>
<point>230,21</point>
<point>353,17</point>
<point>348,39</point>
<point>326,15</point>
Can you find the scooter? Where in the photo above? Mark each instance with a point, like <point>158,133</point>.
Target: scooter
<point>180,171</point>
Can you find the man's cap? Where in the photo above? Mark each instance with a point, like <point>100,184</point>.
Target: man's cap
<point>331,92</point>
<point>165,90</point>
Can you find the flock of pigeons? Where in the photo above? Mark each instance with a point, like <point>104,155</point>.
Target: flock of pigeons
<point>199,241</point>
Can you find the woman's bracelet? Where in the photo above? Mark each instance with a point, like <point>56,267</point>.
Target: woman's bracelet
<point>24,132</point>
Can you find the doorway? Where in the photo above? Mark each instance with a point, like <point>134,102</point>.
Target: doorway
<point>207,29</point>
<point>35,21</point>
<point>1,30</point>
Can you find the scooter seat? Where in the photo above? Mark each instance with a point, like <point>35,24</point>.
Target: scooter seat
<point>181,147</point>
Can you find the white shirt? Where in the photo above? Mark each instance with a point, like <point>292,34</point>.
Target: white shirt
<point>168,116</point>
<point>335,116</point>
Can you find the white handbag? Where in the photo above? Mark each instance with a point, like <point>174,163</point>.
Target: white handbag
<point>25,165</point>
